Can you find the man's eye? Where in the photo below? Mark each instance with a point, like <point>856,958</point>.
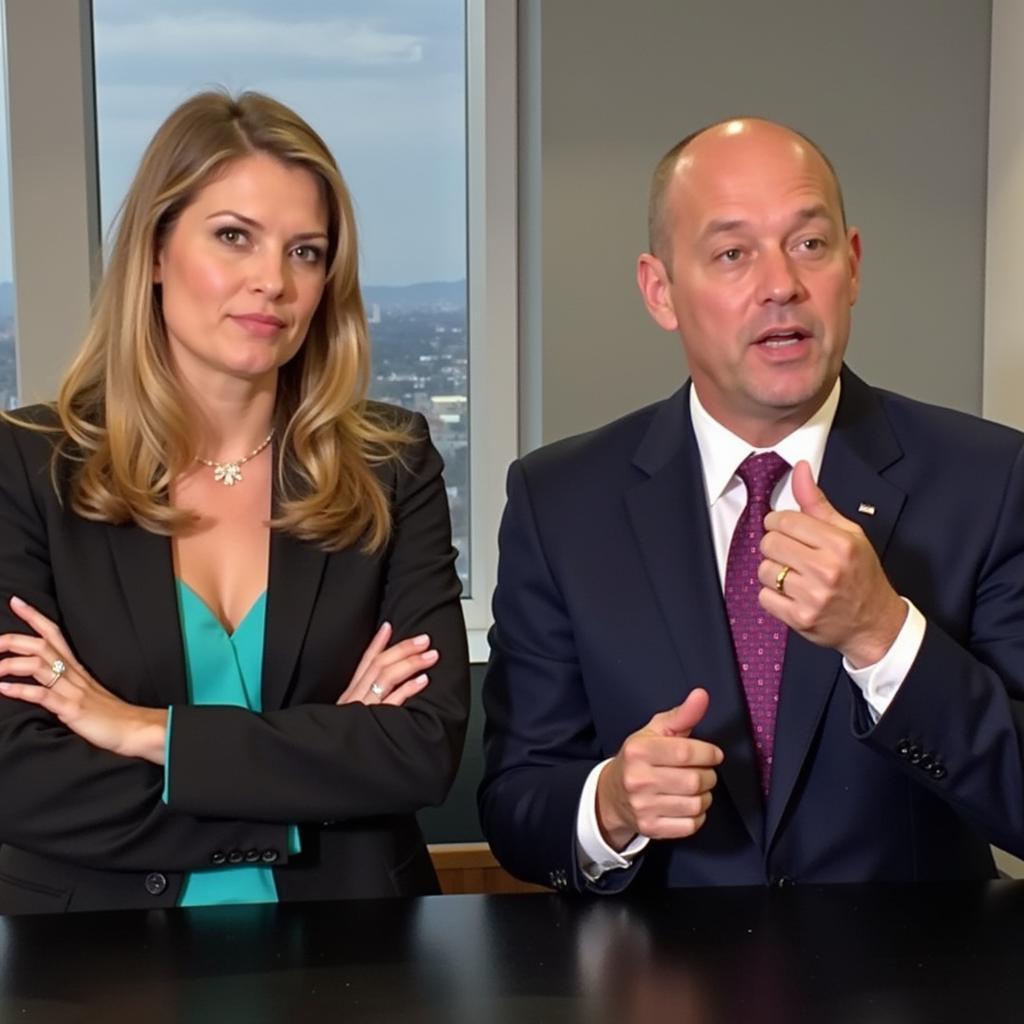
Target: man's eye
<point>730,255</point>
<point>812,244</point>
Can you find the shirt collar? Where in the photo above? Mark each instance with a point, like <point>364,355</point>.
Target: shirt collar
<point>721,451</point>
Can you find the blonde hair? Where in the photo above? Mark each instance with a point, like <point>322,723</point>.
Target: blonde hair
<point>122,412</point>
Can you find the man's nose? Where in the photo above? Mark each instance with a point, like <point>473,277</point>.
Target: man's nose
<point>779,278</point>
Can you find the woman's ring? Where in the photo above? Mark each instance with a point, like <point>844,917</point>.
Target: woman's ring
<point>58,668</point>
<point>780,580</point>
<point>377,690</point>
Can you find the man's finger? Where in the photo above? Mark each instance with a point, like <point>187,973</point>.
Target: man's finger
<point>809,496</point>
<point>682,720</point>
<point>675,828</point>
<point>674,752</point>
<point>683,782</point>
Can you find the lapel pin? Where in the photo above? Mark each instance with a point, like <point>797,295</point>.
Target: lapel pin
<point>868,510</point>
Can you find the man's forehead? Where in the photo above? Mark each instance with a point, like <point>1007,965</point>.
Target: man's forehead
<point>731,176</point>
<point>792,217</point>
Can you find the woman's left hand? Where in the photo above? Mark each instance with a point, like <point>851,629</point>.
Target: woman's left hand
<point>67,690</point>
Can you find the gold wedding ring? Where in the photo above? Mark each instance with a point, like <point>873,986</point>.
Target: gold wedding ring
<point>780,580</point>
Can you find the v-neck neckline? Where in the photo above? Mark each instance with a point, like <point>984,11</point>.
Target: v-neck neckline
<point>229,633</point>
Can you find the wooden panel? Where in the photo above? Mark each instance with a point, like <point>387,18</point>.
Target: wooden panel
<point>471,867</point>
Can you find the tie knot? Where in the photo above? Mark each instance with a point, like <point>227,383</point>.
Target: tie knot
<point>761,473</point>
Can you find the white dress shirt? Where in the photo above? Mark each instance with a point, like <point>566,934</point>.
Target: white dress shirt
<point>721,453</point>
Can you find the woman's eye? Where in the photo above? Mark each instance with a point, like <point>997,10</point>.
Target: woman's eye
<point>233,236</point>
<point>308,253</point>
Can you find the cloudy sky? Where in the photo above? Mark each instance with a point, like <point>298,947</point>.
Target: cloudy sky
<point>383,81</point>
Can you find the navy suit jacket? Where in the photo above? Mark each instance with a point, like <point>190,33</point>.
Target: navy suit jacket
<point>609,608</point>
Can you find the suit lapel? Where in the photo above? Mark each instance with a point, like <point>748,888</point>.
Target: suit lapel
<point>860,446</point>
<point>668,512</point>
<point>296,571</point>
<point>145,570</point>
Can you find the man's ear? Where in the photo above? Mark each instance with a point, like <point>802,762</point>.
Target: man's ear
<point>854,245</point>
<point>653,281</point>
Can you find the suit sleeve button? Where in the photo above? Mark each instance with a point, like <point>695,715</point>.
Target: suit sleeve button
<point>252,856</point>
<point>903,747</point>
<point>938,771</point>
<point>269,856</point>
<point>926,763</point>
<point>782,882</point>
<point>155,883</point>
<point>217,858</point>
<point>236,857</point>
<point>916,753</point>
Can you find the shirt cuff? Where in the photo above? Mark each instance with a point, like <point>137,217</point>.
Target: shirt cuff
<point>166,795</point>
<point>881,682</point>
<point>594,855</point>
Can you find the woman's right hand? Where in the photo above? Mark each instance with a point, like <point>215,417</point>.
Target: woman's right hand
<point>390,675</point>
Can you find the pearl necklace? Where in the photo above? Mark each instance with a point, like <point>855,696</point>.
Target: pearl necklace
<point>230,473</point>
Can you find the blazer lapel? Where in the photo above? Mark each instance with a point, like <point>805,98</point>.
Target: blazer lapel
<point>860,446</point>
<point>146,573</point>
<point>669,515</point>
<point>296,571</point>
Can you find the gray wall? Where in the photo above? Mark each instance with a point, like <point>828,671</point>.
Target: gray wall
<point>896,94</point>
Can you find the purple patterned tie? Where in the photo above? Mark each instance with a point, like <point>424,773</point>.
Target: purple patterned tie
<point>758,638</point>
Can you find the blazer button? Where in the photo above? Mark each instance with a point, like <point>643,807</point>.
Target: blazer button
<point>916,753</point>
<point>252,856</point>
<point>155,883</point>
<point>782,881</point>
<point>903,747</point>
<point>236,857</point>
<point>938,771</point>
<point>217,858</point>
<point>269,856</point>
<point>926,763</point>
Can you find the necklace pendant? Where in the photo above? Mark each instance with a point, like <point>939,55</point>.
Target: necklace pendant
<point>227,473</point>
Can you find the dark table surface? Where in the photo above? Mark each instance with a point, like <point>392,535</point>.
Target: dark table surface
<point>886,954</point>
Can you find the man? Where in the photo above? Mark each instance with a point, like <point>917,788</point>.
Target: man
<point>772,628</point>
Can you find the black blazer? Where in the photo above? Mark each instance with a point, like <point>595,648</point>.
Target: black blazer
<point>82,828</point>
<point>609,608</point>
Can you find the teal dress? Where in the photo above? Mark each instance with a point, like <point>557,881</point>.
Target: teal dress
<point>224,668</point>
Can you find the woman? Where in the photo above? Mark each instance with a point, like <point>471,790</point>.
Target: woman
<point>198,543</point>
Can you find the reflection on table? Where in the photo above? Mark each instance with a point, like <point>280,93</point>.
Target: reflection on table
<point>847,954</point>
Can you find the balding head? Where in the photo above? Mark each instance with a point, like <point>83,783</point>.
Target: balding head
<point>713,141</point>
<point>763,273</point>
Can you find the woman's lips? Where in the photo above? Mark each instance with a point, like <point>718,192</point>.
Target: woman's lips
<point>259,324</point>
